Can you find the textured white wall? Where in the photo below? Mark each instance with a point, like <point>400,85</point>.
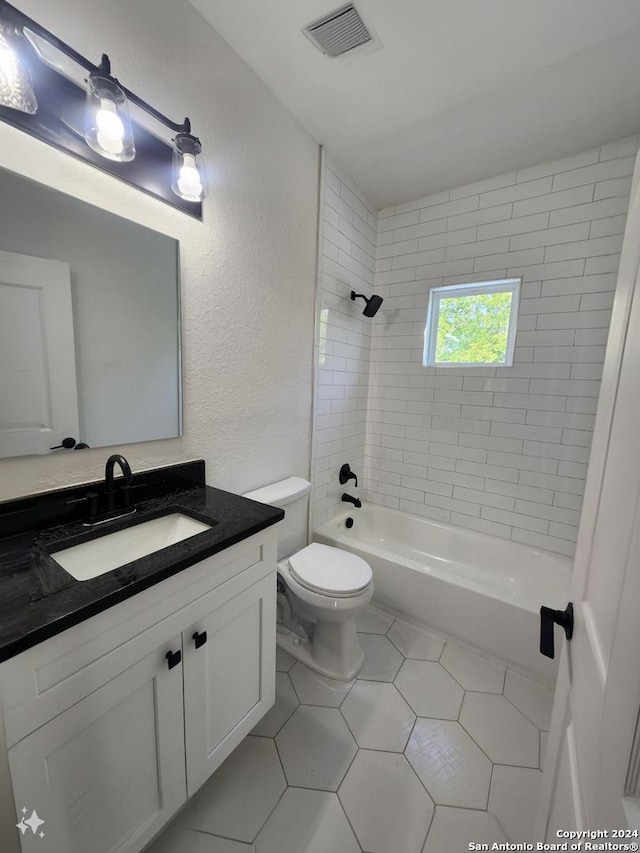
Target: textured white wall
<point>500,450</point>
<point>347,261</point>
<point>249,265</point>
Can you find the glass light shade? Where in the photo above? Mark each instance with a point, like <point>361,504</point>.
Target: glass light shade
<point>187,179</point>
<point>108,128</point>
<point>16,91</point>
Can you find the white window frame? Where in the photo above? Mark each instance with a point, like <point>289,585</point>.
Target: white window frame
<point>505,285</point>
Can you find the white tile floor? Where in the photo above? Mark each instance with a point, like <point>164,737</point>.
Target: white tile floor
<point>430,747</point>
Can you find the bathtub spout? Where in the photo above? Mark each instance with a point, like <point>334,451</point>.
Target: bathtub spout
<point>348,499</point>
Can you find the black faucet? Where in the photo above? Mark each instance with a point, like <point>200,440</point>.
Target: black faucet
<point>348,499</point>
<point>110,491</point>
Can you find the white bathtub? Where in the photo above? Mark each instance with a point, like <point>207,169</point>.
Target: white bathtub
<point>484,590</point>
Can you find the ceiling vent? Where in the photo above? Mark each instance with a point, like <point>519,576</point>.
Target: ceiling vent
<point>339,31</point>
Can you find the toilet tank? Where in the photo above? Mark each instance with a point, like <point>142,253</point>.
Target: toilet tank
<point>291,495</point>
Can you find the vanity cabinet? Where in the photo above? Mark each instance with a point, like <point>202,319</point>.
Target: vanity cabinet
<point>114,723</point>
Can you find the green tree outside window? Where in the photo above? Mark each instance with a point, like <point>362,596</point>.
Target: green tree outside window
<point>473,328</point>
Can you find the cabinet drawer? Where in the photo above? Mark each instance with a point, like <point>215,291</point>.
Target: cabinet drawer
<point>51,677</point>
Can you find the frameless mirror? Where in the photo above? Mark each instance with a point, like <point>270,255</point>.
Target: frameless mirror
<point>89,325</point>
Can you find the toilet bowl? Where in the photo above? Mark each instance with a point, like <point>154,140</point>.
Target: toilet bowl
<point>326,588</point>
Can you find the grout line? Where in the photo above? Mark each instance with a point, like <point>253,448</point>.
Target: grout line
<point>417,775</point>
<point>520,711</point>
<point>344,811</point>
<point>284,773</point>
<point>349,767</point>
<point>461,724</point>
<point>410,736</point>
<point>270,813</point>
<point>490,784</point>
<point>433,817</point>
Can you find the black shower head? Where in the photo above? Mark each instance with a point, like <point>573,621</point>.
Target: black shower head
<point>373,303</point>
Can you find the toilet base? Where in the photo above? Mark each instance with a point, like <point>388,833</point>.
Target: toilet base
<point>334,651</point>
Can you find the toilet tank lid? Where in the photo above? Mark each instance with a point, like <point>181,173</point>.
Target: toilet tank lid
<point>281,493</point>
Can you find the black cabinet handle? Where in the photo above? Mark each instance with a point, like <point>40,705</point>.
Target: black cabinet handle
<point>174,658</point>
<point>199,639</point>
<point>549,618</point>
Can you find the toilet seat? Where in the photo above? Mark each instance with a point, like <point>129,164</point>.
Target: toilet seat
<point>330,571</point>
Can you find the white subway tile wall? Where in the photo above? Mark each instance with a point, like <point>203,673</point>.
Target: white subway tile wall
<point>499,450</point>
<point>347,261</point>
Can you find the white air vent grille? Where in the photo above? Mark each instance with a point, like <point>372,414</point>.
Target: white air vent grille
<point>339,31</point>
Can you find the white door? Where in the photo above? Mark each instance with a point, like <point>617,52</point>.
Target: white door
<point>229,677</point>
<point>38,393</point>
<point>108,773</point>
<point>598,690</point>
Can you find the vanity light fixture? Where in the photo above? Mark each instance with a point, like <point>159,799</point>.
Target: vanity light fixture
<point>36,79</point>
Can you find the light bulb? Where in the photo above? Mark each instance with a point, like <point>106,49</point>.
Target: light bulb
<point>108,121</point>
<point>107,143</point>
<point>189,182</point>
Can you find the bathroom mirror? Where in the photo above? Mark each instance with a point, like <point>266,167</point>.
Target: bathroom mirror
<point>89,325</point>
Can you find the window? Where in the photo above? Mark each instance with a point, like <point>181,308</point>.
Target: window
<point>472,324</point>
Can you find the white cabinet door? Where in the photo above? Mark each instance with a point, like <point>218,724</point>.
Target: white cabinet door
<point>106,774</point>
<point>229,678</point>
<point>38,393</point>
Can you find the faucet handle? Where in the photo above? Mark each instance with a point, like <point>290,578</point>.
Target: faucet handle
<point>91,499</point>
<point>347,474</point>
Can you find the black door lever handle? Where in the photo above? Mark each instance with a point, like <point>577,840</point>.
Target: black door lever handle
<point>549,618</point>
<point>68,444</point>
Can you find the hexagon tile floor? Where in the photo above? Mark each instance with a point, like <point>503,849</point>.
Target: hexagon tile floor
<point>429,748</point>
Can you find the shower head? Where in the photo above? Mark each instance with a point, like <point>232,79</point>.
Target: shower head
<point>373,303</point>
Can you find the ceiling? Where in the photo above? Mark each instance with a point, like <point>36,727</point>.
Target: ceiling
<point>459,91</point>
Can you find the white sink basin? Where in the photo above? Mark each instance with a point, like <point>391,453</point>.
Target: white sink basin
<point>99,556</point>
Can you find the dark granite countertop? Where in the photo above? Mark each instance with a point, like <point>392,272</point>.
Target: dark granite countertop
<point>38,599</point>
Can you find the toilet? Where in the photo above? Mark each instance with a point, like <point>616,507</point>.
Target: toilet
<point>321,589</point>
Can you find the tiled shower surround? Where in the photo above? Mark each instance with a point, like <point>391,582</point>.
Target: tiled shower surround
<point>347,260</point>
<point>500,450</point>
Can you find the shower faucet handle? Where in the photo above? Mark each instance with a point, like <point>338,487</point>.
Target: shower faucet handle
<point>347,474</point>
